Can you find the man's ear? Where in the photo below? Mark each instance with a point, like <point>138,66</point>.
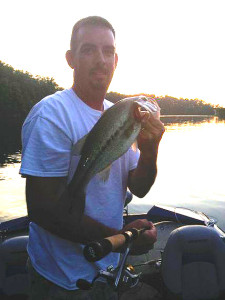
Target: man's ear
<point>116,59</point>
<point>70,59</point>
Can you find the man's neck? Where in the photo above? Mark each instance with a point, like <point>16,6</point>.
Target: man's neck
<point>93,99</point>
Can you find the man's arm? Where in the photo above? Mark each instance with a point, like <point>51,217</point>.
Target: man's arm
<point>48,204</point>
<point>142,178</point>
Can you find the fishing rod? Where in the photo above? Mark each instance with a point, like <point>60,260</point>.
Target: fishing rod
<point>97,250</point>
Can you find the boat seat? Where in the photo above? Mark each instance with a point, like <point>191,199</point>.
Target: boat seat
<point>13,273</point>
<point>193,264</point>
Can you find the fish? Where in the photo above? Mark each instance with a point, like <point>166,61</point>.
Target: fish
<point>112,136</point>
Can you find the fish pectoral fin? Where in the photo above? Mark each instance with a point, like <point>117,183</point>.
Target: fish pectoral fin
<point>104,174</point>
<point>77,148</point>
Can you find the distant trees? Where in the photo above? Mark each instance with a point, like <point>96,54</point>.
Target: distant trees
<point>220,112</point>
<point>173,106</point>
<point>19,91</point>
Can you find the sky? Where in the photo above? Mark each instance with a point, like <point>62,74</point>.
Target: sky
<point>165,47</point>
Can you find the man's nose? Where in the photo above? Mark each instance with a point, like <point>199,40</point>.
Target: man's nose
<point>100,58</point>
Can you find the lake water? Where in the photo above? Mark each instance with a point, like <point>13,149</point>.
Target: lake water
<point>191,168</point>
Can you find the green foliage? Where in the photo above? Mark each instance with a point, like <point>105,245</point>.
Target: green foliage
<point>172,106</point>
<point>19,91</point>
<point>220,112</point>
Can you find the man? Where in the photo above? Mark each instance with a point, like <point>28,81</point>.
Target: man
<point>49,133</point>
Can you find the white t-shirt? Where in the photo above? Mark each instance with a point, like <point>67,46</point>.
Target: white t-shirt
<point>50,131</point>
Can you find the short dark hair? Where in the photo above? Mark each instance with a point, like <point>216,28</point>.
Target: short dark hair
<point>91,20</point>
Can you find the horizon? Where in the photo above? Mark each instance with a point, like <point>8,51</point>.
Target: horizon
<point>165,47</point>
<point>108,92</point>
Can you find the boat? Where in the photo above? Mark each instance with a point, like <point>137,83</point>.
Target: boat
<point>187,261</point>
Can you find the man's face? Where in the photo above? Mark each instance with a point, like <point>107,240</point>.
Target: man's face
<point>94,58</point>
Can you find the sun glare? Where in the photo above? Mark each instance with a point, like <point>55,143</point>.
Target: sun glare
<point>165,47</point>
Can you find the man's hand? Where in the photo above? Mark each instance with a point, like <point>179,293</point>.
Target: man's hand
<point>142,178</point>
<point>146,241</point>
<point>151,133</point>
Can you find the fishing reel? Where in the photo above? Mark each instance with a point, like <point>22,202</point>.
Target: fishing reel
<point>128,279</point>
<point>125,279</point>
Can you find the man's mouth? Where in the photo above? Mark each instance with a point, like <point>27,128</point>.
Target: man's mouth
<point>99,72</point>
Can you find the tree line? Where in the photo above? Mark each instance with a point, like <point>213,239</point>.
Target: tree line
<point>173,106</point>
<point>19,91</point>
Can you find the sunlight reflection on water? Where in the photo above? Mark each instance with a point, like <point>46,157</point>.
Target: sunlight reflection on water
<point>12,192</point>
<point>190,169</point>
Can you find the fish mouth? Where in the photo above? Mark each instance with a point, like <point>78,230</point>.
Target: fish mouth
<point>147,104</point>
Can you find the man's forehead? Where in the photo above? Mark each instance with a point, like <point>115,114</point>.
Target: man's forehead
<point>95,33</point>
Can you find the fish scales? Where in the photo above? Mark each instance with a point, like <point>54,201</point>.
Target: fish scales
<point>107,141</point>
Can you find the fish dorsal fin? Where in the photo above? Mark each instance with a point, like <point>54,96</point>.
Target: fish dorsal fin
<point>77,148</point>
<point>104,174</point>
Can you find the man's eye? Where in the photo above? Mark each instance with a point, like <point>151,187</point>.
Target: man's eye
<point>87,50</point>
<point>109,52</point>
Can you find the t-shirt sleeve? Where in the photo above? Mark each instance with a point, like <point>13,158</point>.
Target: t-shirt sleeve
<point>46,149</point>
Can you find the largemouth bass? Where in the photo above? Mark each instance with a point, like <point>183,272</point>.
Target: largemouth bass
<point>110,138</point>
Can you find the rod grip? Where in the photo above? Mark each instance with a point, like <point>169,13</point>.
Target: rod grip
<point>97,250</point>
